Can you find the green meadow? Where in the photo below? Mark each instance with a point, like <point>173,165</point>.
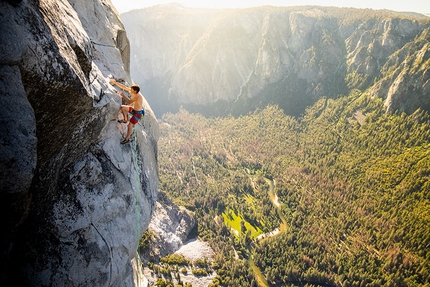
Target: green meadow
<point>233,220</point>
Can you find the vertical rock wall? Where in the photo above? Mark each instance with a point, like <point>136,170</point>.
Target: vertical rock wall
<point>75,200</point>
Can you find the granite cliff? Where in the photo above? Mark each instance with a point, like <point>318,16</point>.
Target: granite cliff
<point>168,229</point>
<point>232,61</point>
<point>75,202</point>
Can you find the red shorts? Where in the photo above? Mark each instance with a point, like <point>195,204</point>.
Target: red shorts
<point>136,115</point>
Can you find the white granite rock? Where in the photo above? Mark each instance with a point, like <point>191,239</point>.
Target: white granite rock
<point>77,201</point>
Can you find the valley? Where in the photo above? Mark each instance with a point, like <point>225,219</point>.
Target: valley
<point>347,214</point>
<point>309,125</point>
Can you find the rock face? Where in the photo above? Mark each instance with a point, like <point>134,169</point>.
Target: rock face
<point>169,227</point>
<point>75,201</point>
<point>406,77</point>
<point>232,61</point>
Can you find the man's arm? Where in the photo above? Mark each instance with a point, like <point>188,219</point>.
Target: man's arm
<point>124,87</point>
<point>127,100</point>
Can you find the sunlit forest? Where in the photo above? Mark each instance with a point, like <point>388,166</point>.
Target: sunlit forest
<point>337,197</point>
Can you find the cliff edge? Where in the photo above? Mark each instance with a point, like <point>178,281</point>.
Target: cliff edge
<point>75,201</point>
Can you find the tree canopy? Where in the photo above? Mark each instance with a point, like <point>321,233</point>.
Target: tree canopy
<point>351,183</point>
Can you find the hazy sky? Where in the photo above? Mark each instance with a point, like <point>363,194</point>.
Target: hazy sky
<point>421,6</point>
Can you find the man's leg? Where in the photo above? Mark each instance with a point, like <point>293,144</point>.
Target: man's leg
<point>129,131</point>
<point>133,120</point>
<point>124,110</point>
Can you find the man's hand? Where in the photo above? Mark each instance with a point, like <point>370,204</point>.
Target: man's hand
<point>112,81</point>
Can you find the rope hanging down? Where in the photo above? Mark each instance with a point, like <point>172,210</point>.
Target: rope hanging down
<point>137,192</point>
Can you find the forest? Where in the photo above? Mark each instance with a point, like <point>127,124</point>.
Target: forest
<point>337,197</point>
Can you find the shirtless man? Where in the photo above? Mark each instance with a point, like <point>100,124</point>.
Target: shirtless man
<point>136,109</point>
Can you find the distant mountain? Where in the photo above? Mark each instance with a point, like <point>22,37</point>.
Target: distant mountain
<point>218,62</point>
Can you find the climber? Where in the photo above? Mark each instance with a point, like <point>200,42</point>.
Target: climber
<point>136,109</point>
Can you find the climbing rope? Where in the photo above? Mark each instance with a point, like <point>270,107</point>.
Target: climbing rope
<point>137,192</point>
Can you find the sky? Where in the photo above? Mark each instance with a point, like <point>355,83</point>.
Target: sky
<point>420,6</point>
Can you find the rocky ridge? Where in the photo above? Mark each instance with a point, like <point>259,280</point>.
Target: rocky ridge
<point>75,201</point>
<point>232,61</point>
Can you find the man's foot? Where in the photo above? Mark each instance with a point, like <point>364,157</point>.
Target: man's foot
<point>124,141</point>
<point>122,121</point>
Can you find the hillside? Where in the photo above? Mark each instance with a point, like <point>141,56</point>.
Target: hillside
<point>221,62</point>
<point>351,182</point>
